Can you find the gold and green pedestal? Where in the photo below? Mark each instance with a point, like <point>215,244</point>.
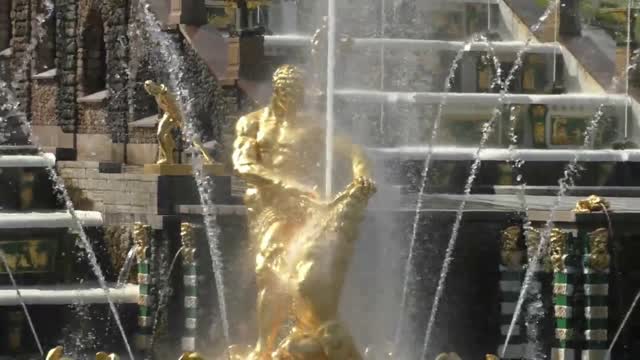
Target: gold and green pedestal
<point>596,294</point>
<point>565,271</point>
<point>190,279</point>
<point>511,273</point>
<point>141,234</point>
<point>537,298</point>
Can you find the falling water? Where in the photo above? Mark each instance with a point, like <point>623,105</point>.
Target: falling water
<point>622,325</point>
<point>4,261</point>
<point>423,185</point>
<point>571,170</point>
<point>176,68</point>
<point>76,224</point>
<point>126,267</point>
<point>331,79</point>
<point>163,298</point>
<point>487,129</point>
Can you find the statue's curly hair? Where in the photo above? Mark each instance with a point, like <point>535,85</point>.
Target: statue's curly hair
<point>288,77</point>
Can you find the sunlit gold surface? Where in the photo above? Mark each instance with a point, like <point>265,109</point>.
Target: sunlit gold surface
<point>188,242</point>
<point>141,239</point>
<point>448,356</point>
<point>591,204</point>
<point>304,242</point>
<point>511,254</point>
<point>558,249</point>
<point>599,256</point>
<point>57,353</point>
<point>104,356</point>
<point>171,119</point>
<point>191,356</point>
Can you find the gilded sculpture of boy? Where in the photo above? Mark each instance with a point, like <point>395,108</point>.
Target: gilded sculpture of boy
<point>171,120</point>
<point>280,154</point>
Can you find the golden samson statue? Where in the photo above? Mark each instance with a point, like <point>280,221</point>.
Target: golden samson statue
<point>304,242</point>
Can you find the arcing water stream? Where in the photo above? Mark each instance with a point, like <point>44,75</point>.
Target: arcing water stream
<point>176,69</point>
<point>486,131</point>
<point>12,105</point>
<point>5,263</point>
<point>408,272</point>
<point>571,170</point>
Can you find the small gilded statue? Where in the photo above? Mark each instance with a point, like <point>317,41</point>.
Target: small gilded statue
<point>559,249</point>
<point>598,258</point>
<point>304,242</point>
<point>511,253</point>
<point>591,204</point>
<point>171,120</point>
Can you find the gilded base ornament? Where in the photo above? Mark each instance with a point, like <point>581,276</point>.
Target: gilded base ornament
<point>599,258</point>
<point>171,120</point>
<point>591,204</point>
<point>511,254</point>
<point>304,243</point>
<point>57,353</point>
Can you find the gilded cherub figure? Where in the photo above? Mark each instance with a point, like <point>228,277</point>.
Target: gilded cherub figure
<point>599,257</point>
<point>171,120</point>
<point>559,243</point>
<point>511,252</point>
<point>279,152</point>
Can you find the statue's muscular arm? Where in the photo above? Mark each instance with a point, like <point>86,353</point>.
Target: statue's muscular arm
<point>246,158</point>
<point>360,164</point>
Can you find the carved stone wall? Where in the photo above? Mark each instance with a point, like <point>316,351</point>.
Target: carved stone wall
<point>5,24</point>
<point>103,58</point>
<point>67,54</point>
<point>93,118</point>
<point>43,102</point>
<point>21,35</point>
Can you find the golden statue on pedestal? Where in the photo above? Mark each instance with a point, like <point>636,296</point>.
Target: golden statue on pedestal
<point>304,243</point>
<point>171,119</point>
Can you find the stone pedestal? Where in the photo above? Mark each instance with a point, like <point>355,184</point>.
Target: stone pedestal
<point>181,169</point>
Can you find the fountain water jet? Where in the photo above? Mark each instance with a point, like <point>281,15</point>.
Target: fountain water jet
<point>622,325</point>
<point>3,259</point>
<point>12,104</point>
<point>176,68</point>
<point>331,79</point>
<point>126,267</point>
<point>487,128</point>
<point>570,171</point>
<point>163,300</point>
<point>424,176</point>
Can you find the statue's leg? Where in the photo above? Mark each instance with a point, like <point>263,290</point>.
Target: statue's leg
<point>273,300</point>
<point>166,144</point>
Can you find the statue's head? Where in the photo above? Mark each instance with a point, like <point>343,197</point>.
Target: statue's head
<point>288,87</point>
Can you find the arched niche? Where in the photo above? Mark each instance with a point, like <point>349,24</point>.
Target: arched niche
<point>46,49</point>
<point>94,54</point>
<point>5,24</point>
